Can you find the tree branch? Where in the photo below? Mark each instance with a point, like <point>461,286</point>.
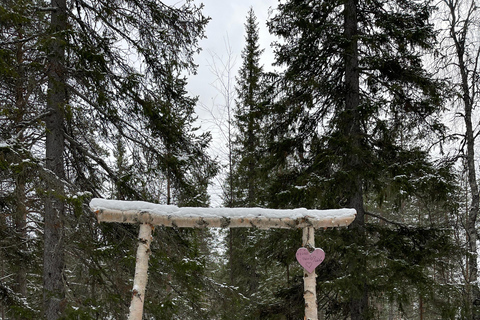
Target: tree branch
<point>398,224</point>
<point>46,9</point>
<point>100,161</point>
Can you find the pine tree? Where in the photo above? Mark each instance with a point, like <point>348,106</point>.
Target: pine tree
<point>87,96</point>
<point>20,111</point>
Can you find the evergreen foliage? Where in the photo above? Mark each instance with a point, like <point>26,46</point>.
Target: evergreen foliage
<point>244,181</point>
<point>93,102</point>
<point>248,141</point>
<point>99,76</point>
<point>354,103</point>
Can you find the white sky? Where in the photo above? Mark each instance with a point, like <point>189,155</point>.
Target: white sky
<point>227,22</point>
<point>225,30</point>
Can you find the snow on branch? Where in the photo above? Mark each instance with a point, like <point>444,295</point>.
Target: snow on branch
<point>188,217</point>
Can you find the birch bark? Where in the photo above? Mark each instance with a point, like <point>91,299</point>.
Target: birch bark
<point>141,272</point>
<point>310,279</point>
<point>188,218</point>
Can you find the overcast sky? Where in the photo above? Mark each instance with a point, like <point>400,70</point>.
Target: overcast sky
<point>225,29</point>
<point>227,22</point>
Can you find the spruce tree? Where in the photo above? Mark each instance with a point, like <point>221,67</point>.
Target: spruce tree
<point>248,118</point>
<point>245,177</point>
<point>355,100</point>
<point>54,218</point>
<point>21,96</point>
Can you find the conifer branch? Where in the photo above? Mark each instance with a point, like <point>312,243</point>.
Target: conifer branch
<point>46,9</point>
<point>98,160</point>
<point>18,41</point>
<point>17,154</point>
<point>398,224</point>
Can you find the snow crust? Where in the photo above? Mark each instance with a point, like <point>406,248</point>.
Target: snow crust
<point>198,212</point>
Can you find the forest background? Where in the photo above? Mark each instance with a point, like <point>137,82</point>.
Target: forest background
<point>371,105</point>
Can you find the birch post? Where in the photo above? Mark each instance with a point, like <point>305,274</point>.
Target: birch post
<point>309,279</point>
<point>141,272</point>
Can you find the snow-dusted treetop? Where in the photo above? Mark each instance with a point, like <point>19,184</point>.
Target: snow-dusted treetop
<point>173,216</point>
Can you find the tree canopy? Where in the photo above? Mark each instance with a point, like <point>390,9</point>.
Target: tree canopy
<point>94,103</point>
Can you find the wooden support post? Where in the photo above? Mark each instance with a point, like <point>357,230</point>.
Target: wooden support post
<point>309,279</point>
<point>141,272</point>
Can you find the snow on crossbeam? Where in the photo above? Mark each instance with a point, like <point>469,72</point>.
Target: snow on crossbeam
<point>188,217</point>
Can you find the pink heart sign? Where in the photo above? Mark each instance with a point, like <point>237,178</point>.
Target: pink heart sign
<point>309,261</point>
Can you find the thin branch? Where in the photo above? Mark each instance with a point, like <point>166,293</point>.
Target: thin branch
<point>45,9</point>
<point>398,224</point>
<point>23,40</point>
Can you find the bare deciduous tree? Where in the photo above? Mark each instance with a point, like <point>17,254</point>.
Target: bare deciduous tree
<point>462,52</point>
<point>220,113</point>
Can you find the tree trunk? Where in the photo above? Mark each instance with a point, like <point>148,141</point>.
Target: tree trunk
<point>2,274</point>
<point>359,299</point>
<point>21,230</point>
<point>420,308</point>
<point>472,212</point>
<point>352,133</point>
<point>251,196</point>
<point>459,38</point>
<point>141,272</point>
<point>53,259</point>
<point>20,193</point>
<point>390,311</point>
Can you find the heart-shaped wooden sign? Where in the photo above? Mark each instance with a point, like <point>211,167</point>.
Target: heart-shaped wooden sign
<point>309,261</point>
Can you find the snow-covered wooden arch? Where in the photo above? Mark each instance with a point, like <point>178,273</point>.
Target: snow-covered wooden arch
<point>149,215</point>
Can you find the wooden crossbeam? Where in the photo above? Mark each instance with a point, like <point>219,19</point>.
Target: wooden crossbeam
<point>187,217</point>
